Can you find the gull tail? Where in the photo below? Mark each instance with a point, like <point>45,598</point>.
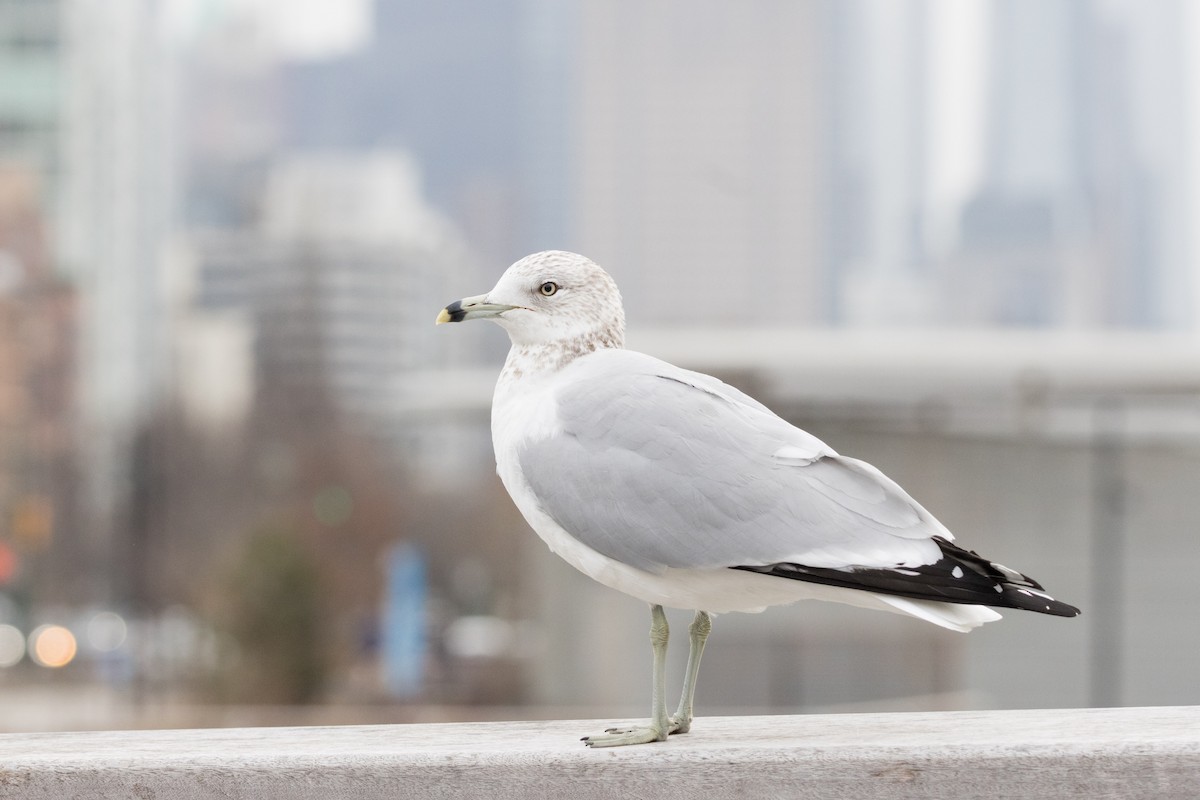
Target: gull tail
<point>959,576</point>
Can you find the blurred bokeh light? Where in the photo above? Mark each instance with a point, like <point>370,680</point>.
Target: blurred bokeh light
<point>12,646</point>
<point>52,646</point>
<point>106,631</point>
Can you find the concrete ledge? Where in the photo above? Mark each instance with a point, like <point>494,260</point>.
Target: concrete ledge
<point>1093,753</point>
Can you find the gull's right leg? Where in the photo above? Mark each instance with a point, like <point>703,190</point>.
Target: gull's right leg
<point>660,724</point>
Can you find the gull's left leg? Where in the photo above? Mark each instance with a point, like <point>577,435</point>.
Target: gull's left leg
<point>660,724</point>
<point>700,628</point>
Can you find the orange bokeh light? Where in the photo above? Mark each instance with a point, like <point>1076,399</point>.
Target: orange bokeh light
<point>52,646</point>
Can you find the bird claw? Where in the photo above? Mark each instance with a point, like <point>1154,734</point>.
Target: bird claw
<point>619,737</point>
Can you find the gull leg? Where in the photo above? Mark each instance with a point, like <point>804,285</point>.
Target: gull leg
<point>660,724</point>
<point>698,634</point>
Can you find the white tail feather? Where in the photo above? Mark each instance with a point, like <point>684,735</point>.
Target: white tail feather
<point>955,616</point>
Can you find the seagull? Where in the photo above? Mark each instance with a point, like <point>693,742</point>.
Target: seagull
<point>677,489</point>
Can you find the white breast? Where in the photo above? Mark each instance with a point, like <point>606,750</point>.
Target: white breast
<point>525,411</point>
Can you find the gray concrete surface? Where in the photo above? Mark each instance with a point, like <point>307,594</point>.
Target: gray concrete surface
<point>1093,753</point>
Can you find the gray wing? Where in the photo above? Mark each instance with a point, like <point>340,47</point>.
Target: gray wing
<point>668,468</point>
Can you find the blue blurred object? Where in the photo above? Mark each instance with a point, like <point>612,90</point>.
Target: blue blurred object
<point>403,640</point>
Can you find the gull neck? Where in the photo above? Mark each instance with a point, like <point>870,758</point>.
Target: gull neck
<point>527,360</point>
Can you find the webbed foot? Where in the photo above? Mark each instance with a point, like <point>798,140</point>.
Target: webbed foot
<point>642,734</point>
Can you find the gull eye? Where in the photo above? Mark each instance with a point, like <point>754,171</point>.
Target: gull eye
<point>548,288</point>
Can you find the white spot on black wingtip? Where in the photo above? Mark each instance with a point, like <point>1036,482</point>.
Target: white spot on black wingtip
<point>957,572</point>
<point>998,588</point>
<point>1011,574</point>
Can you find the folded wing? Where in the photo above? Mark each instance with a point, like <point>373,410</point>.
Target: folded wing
<point>659,467</point>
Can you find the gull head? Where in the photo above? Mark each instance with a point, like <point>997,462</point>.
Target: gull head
<point>550,298</point>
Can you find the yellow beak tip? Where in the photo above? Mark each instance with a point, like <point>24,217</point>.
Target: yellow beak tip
<point>443,316</point>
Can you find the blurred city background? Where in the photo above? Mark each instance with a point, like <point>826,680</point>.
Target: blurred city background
<point>244,480</point>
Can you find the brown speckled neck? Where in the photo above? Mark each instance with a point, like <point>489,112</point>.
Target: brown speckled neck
<point>542,358</point>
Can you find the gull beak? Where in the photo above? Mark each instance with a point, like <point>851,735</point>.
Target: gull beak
<point>471,308</point>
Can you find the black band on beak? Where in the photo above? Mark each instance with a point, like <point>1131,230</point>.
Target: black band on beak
<point>455,311</point>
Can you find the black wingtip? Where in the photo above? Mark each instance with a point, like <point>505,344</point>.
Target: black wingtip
<point>961,576</point>
<point>1040,602</point>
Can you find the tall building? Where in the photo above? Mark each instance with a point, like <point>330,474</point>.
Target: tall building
<point>1080,220</point>
<point>339,284</point>
<point>37,473</point>
<point>30,86</point>
<point>875,120</point>
<point>38,487</point>
<point>115,215</point>
<point>368,259</point>
<point>695,158</point>
<point>447,83</point>
<point>232,120</point>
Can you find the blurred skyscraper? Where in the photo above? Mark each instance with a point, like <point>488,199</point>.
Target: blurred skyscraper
<point>696,158</point>
<point>313,195</point>
<point>335,283</point>
<point>30,87</point>
<point>37,398</point>
<point>876,102</point>
<point>38,490</point>
<point>1081,217</point>
<point>444,82</point>
<point>116,212</point>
